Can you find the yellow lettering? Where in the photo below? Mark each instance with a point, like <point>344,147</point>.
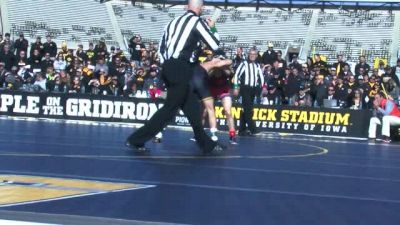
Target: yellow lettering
<point>313,117</point>
<point>261,114</point>
<point>344,120</point>
<point>303,117</point>
<point>321,117</point>
<point>236,112</point>
<point>218,112</point>
<point>272,114</point>
<point>294,114</point>
<point>255,112</point>
<point>285,115</point>
<point>329,118</point>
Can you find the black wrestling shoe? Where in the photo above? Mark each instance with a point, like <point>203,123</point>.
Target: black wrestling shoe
<point>136,148</point>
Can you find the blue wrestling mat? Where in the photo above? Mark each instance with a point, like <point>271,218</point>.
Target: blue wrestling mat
<point>73,173</point>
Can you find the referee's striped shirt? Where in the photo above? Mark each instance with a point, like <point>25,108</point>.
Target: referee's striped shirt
<point>249,74</point>
<point>182,37</point>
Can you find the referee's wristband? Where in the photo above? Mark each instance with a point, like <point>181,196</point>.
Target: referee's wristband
<point>213,30</point>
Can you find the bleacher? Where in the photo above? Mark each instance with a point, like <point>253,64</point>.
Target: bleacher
<point>337,31</point>
<point>73,21</point>
<point>149,21</point>
<point>353,34</point>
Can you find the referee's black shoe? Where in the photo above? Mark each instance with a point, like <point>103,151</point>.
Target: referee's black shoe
<point>136,148</point>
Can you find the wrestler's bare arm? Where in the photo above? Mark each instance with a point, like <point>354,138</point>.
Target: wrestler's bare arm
<point>216,63</point>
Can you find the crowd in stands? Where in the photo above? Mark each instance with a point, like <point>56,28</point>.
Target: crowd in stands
<point>107,71</point>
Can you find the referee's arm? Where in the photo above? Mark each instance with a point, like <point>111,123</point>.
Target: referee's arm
<point>238,74</point>
<point>261,76</point>
<point>208,35</point>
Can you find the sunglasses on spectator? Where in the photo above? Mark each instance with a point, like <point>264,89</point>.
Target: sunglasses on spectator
<point>331,90</point>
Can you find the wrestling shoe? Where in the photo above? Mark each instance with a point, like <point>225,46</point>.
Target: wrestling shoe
<point>232,141</point>
<point>386,140</point>
<point>214,137</point>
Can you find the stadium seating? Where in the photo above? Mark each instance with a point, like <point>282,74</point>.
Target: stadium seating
<point>74,21</point>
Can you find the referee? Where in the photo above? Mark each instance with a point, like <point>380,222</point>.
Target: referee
<point>181,39</point>
<point>250,78</point>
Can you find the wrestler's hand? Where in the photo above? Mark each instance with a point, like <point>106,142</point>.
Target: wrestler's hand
<point>210,22</point>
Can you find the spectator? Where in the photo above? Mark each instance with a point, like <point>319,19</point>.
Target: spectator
<point>240,56</point>
<point>21,44</point>
<point>342,92</point>
<point>28,83</point>
<point>100,65</point>
<point>362,64</point>
<point>281,61</point>
<point>271,95</point>
<point>64,50</point>
<point>135,49</point>
<point>269,56</point>
<point>62,82</point>
<point>115,87</point>
<point>105,80</point>
<point>339,65</point>
<point>331,96</point>
<point>357,101</point>
<point>50,47</point>
<point>346,71</point>
<point>80,54</point>
<point>292,84</point>
<point>7,41</point>
<point>37,46</point>
<point>153,83</point>
<point>59,64</point>
<point>3,72</point>
<point>46,62</point>
<point>69,58</point>
<point>303,98</point>
<point>381,68</point>
<point>101,50</point>
<point>295,64</point>
<point>112,54</point>
<point>7,57</point>
<point>35,60</point>
<point>91,54</point>
<point>321,65</point>
<point>396,73</point>
<point>22,59</point>
<point>319,90</point>
<point>391,117</point>
<point>139,79</point>
<point>40,83</point>
<point>76,86</point>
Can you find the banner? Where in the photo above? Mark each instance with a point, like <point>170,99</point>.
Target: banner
<point>332,122</point>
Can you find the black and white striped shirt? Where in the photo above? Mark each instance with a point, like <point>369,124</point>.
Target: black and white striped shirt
<point>249,74</point>
<point>182,37</point>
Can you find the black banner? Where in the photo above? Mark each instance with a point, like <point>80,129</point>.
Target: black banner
<point>332,122</point>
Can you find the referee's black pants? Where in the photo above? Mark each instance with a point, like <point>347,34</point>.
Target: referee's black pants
<point>177,75</point>
<point>246,118</point>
